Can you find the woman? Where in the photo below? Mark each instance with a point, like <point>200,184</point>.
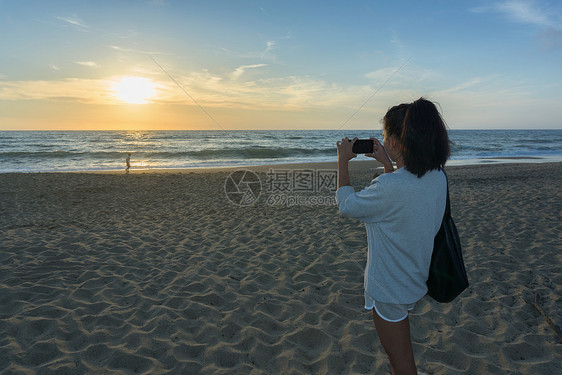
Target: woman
<point>402,211</point>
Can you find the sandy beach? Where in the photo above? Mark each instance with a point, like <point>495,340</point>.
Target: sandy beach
<point>176,273</point>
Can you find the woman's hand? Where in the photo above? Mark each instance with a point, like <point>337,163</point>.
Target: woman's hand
<point>345,154</point>
<point>379,153</point>
<point>345,149</point>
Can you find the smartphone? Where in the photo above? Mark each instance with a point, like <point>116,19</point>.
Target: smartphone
<point>363,146</point>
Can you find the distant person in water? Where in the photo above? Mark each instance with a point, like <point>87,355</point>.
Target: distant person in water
<point>128,161</point>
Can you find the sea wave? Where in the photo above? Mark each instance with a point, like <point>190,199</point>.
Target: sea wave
<point>209,153</point>
<point>257,152</point>
<point>95,150</point>
<point>58,154</point>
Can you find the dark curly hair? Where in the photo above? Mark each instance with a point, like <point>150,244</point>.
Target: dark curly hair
<point>424,140</point>
<point>393,121</point>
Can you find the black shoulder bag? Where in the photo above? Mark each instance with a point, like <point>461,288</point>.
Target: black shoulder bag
<point>447,275</point>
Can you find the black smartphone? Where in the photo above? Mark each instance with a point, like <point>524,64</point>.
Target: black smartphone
<point>363,146</point>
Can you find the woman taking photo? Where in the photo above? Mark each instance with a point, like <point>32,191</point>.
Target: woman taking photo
<point>402,210</point>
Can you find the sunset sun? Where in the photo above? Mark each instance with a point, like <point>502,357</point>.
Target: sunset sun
<point>134,90</point>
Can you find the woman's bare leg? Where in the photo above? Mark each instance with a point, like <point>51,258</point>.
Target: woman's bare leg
<point>396,341</point>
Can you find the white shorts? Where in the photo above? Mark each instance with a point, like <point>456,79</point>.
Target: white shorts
<point>391,312</point>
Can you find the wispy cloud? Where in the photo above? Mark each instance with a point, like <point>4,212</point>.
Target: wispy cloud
<point>525,11</point>
<point>90,64</point>
<point>263,53</point>
<point>75,22</point>
<point>294,93</point>
<point>410,76</point>
<point>381,75</point>
<point>133,50</point>
<point>270,93</point>
<point>463,86</point>
<point>74,89</point>
<point>269,46</point>
<point>241,69</point>
<point>531,12</point>
<point>264,92</point>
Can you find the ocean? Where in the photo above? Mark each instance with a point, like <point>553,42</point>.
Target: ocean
<point>52,151</point>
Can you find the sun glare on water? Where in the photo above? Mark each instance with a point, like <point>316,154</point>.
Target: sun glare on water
<point>134,90</point>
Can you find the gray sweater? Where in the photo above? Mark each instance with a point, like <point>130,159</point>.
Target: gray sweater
<point>402,215</point>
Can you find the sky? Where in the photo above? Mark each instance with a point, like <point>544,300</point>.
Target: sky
<point>226,65</point>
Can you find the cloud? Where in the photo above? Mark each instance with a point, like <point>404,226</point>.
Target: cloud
<point>133,50</point>
<point>463,86</point>
<point>531,12</point>
<point>261,53</point>
<point>272,93</point>
<point>75,22</point>
<point>269,46</point>
<point>71,89</point>
<point>381,75</point>
<point>403,76</point>
<point>525,11</point>
<point>241,69</point>
<point>293,93</point>
<point>90,64</point>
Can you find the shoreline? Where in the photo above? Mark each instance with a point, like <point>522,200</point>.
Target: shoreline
<point>357,164</point>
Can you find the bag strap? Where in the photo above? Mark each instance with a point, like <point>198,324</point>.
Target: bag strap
<point>447,212</point>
